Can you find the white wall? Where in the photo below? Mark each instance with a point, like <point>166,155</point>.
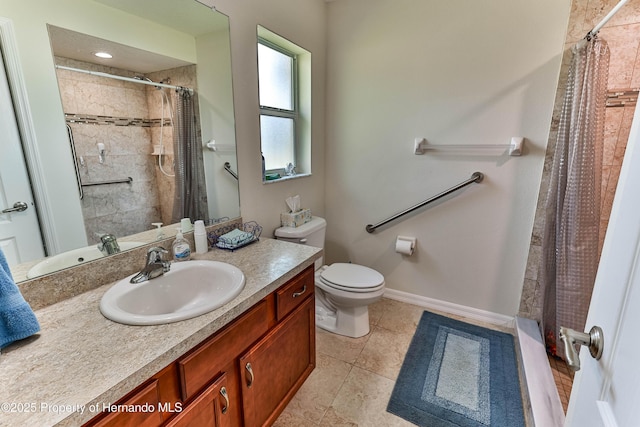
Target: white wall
<point>215,96</point>
<point>303,23</point>
<point>454,72</point>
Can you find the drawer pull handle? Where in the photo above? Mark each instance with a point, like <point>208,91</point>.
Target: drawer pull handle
<point>223,392</point>
<point>250,371</point>
<point>297,294</point>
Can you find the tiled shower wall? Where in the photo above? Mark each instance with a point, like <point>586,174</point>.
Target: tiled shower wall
<point>119,209</point>
<point>623,36</point>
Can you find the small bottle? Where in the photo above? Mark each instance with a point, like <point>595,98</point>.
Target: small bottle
<point>159,233</point>
<point>181,249</point>
<point>200,236</point>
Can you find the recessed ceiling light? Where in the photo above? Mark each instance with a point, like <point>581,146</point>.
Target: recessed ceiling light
<point>105,55</point>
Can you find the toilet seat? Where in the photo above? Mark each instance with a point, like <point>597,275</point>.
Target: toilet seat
<point>351,278</point>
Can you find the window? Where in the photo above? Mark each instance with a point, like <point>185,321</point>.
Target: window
<point>277,72</point>
<point>285,105</point>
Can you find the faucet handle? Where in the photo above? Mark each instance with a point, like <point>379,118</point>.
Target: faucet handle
<point>157,249</point>
<point>155,254</point>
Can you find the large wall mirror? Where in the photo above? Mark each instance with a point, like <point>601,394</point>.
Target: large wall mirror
<point>128,120</point>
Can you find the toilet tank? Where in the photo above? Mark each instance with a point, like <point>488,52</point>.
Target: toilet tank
<point>311,233</point>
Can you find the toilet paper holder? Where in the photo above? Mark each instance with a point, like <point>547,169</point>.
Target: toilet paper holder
<point>406,245</point>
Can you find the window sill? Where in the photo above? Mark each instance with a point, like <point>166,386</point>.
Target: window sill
<point>286,178</point>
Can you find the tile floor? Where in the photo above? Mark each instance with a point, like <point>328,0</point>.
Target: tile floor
<point>563,378</point>
<point>353,379</point>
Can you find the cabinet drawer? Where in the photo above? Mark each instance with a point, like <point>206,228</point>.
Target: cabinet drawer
<point>147,398</point>
<point>292,294</point>
<point>200,366</point>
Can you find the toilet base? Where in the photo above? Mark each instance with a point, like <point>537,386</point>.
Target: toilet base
<point>348,321</point>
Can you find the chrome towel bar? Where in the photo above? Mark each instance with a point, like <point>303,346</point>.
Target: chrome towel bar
<point>476,177</point>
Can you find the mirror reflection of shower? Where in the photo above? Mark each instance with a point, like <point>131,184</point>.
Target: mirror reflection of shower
<point>160,149</point>
<point>134,122</point>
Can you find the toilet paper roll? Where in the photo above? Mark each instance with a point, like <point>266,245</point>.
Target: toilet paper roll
<point>405,246</point>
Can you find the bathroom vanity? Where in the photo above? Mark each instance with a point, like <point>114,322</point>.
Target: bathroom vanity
<point>237,365</point>
<point>247,371</point>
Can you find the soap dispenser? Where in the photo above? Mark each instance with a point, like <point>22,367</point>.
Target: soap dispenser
<point>181,249</point>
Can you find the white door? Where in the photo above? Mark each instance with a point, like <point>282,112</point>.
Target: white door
<point>607,392</point>
<point>20,237</point>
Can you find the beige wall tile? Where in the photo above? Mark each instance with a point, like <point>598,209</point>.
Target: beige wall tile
<point>623,45</point>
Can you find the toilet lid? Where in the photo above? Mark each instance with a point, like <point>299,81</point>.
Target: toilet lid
<point>351,276</point>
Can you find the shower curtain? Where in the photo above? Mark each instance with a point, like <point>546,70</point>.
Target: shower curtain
<point>190,200</point>
<point>572,218</point>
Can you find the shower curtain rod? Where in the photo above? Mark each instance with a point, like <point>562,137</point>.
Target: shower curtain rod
<point>127,79</point>
<point>606,19</point>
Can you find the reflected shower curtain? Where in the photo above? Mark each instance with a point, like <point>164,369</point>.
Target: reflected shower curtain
<point>572,219</point>
<point>190,200</point>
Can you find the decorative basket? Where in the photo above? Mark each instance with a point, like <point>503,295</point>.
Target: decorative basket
<point>251,234</point>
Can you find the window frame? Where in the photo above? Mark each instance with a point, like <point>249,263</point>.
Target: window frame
<point>293,114</point>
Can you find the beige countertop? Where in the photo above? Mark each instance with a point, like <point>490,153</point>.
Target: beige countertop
<point>81,361</point>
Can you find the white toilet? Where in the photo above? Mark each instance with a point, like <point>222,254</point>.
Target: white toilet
<point>343,291</point>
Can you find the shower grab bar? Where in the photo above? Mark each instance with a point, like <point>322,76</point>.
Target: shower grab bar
<point>227,167</point>
<point>75,161</point>
<point>128,180</point>
<point>476,177</point>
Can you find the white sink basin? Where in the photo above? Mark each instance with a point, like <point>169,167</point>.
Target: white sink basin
<point>73,258</point>
<point>189,289</point>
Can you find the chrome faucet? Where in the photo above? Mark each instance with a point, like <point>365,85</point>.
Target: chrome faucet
<point>154,267</point>
<point>108,244</point>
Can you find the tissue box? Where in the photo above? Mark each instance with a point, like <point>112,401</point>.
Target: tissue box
<point>295,219</point>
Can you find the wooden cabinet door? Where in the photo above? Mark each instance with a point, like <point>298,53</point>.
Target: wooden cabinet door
<point>273,370</point>
<point>208,409</point>
<point>234,391</point>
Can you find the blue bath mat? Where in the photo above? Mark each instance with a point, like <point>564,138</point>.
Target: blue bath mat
<point>457,374</point>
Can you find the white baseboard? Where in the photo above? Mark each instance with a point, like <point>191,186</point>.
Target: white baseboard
<point>451,308</point>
